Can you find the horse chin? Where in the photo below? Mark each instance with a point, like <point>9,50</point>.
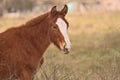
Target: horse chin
<point>65,51</point>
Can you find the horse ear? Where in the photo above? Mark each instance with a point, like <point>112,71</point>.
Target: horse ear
<point>53,11</point>
<point>64,10</point>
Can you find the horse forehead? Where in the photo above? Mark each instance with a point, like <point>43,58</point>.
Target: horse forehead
<point>61,22</point>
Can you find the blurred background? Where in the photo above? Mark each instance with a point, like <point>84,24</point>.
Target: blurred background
<point>94,32</point>
<point>24,6</point>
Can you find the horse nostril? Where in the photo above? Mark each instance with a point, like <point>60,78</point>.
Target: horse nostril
<point>64,46</point>
<point>66,49</point>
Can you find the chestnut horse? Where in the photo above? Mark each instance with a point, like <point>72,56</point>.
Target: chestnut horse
<point>22,48</point>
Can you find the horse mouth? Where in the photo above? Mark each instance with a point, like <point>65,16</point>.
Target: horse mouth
<point>65,50</point>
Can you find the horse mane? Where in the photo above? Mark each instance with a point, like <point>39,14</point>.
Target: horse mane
<point>37,20</point>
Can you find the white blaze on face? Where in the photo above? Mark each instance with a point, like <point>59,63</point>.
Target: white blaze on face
<point>63,29</point>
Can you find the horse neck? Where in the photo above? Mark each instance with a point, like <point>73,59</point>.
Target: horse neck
<point>41,39</point>
<point>38,36</point>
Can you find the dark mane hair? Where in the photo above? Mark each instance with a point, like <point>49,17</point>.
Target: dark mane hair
<point>37,20</point>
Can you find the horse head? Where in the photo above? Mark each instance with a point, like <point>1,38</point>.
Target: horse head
<point>58,29</point>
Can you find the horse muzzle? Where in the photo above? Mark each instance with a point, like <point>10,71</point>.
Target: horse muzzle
<point>66,50</point>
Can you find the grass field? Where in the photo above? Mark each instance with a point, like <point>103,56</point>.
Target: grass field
<point>95,53</point>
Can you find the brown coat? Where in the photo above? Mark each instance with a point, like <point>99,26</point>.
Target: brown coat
<point>22,48</point>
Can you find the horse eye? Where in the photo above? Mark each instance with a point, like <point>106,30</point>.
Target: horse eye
<point>54,27</point>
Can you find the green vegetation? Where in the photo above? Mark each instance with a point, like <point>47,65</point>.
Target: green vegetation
<point>95,53</point>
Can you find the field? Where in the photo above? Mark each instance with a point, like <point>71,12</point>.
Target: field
<point>95,53</point>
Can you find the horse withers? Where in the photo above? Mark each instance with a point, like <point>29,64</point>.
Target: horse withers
<point>22,48</point>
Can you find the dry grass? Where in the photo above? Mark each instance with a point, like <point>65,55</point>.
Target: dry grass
<point>95,53</point>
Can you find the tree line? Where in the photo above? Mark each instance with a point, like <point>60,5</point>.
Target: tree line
<point>25,4</point>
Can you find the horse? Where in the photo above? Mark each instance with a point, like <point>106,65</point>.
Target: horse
<point>22,47</point>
